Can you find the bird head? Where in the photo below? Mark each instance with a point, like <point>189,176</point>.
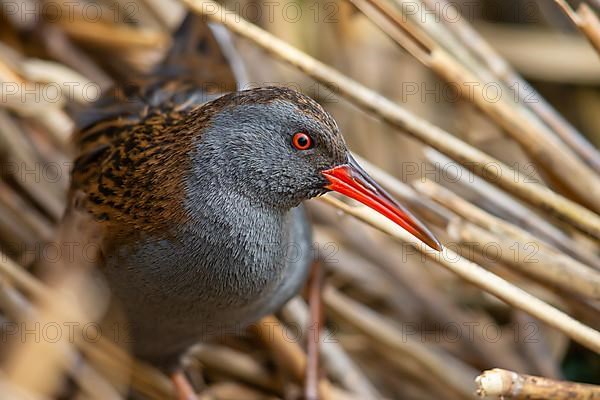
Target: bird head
<point>279,147</point>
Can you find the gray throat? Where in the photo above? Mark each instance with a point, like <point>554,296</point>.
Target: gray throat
<point>239,245</point>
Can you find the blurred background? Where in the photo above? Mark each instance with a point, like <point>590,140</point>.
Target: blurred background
<point>400,327</point>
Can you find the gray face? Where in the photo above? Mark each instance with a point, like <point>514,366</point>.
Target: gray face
<point>250,147</point>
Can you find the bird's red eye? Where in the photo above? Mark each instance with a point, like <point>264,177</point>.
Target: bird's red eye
<point>302,141</point>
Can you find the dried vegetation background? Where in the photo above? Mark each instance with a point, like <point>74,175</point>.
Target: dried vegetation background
<point>509,181</point>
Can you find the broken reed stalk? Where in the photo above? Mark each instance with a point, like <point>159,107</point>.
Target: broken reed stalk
<point>481,278</point>
<point>585,19</point>
<point>503,72</point>
<point>534,256</point>
<point>503,383</point>
<point>479,162</point>
<point>289,354</point>
<point>536,139</point>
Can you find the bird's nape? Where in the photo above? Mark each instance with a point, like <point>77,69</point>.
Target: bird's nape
<point>352,180</point>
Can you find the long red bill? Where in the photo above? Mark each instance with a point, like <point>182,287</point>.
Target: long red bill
<point>351,180</point>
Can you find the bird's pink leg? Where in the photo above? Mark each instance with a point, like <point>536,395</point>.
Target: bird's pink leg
<point>315,304</point>
<point>183,387</point>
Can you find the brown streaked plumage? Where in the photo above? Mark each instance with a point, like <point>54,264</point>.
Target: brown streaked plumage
<point>131,173</point>
<point>131,168</point>
<point>129,131</point>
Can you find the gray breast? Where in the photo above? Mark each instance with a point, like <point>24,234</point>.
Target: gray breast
<point>204,281</point>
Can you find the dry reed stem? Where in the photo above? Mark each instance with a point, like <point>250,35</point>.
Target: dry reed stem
<point>417,286</point>
<point>502,383</point>
<point>525,257</point>
<point>412,372</point>
<point>14,142</point>
<point>539,259</point>
<point>22,157</point>
<point>39,365</point>
<point>481,163</point>
<point>544,354</point>
<point>556,159</point>
<point>235,364</point>
<point>419,49</point>
<point>481,278</point>
<point>146,379</point>
<point>46,109</point>
<point>482,218</point>
<point>233,391</point>
<point>472,40</point>
<point>270,331</point>
<point>114,36</point>
<point>92,383</point>
<point>585,19</point>
<point>289,354</point>
<point>314,287</point>
<point>43,71</point>
<point>61,48</point>
<point>14,305</point>
<point>457,379</point>
<point>24,280</point>
<point>539,142</point>
<point>590,25</point>
<point>513,209</point>
<point>337,363</point>
<point>28,216</point>
<point>365,277</point>
<point>11,391</point>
